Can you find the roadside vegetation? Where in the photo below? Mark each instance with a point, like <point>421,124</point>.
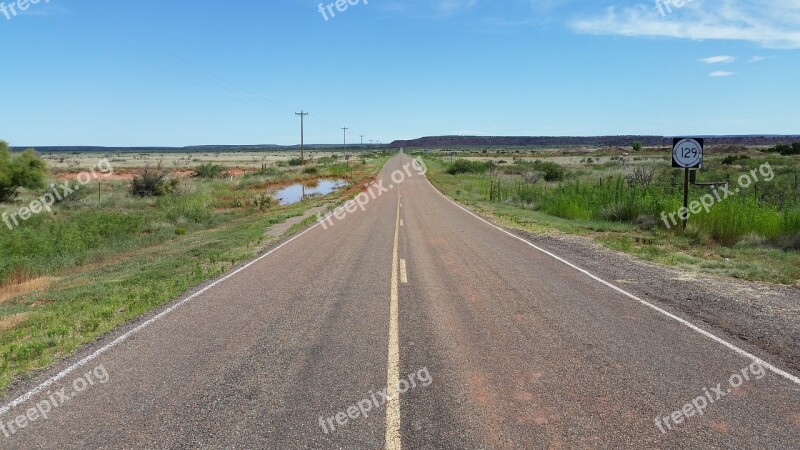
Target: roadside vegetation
<point>25,170</point>
<point>622,200</point>
<point>129,244</point>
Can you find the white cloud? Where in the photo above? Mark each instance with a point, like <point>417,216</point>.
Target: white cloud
<point>721,74</point>
<point>769,23</point>
<point>756,59</point>
<point>718,60</point>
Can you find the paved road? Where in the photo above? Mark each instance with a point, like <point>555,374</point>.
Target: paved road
<point>499,344</point>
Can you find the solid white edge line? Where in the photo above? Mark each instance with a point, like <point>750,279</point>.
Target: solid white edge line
<point>688,324</point>
<point>83,362</point>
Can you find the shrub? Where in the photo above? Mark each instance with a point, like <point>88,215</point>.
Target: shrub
<point>310,171</point>
<point>153,182</point>
<point>208,171</point>
<point>550,170</point>
<point>466,166</point>
<point>793,150</point>
<point>786,150</point>
<point>640,176</point>
<point>637,146</point>
<point>295,162</point>
<point>262,201</point>
<point>23,171</point>
<point>730,159</point>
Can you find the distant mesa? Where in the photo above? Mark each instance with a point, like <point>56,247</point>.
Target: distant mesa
<point>439,142</point>
<point>574,141</point>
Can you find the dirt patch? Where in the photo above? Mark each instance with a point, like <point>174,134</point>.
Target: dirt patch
<point>278,230</point>
<point>14,290</point>
<point>122,175</point>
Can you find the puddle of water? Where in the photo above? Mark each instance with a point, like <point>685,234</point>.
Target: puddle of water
<point>297,192</point>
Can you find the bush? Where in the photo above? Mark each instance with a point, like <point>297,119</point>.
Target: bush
<point>310,171</point>
<point>550,170</point>
<point>23,171</point>
<point>730,159</point>
<point>208,171</point>
<point>262,201</point>
<point>640,176</point>
<point>466,166</point>
<point>793,150</point>
<point>637,146</point>
<point>786,150</point>
<point>153,182</point>
<point>295,162</point>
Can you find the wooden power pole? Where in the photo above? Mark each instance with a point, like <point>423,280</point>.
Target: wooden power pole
<point>302,115</point>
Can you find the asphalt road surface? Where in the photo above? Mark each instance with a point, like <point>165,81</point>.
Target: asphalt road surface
<point>499,345</point>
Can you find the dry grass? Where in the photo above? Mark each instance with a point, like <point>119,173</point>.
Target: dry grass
<point>7,323</point>
<point>13,290</point>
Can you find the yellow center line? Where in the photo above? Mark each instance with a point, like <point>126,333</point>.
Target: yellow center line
<point>393,367</point>
<point>403,273</point>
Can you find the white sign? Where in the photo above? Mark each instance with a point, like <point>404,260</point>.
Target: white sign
<point>687,153</point>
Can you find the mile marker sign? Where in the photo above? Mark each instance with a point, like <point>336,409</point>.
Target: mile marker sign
<point>687,153</point>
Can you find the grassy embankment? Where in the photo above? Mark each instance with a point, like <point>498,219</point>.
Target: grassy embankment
<point>69,277</point>
<point>753,235</point>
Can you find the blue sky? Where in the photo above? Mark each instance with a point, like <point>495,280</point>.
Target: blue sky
<point>153,73</point>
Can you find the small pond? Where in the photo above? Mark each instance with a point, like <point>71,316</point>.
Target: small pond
<point>297,192</point>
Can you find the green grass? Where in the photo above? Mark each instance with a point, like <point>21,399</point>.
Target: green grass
<point>753,235</point>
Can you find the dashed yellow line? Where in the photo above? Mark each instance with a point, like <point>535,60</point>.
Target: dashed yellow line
<point>403,275</point>
<point>393,368</point>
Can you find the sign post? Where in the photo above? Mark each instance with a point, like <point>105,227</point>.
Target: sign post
<point>687,154</point>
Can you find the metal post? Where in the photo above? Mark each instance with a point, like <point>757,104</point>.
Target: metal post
<point>686,198</point>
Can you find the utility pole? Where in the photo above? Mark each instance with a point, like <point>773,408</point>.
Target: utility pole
<point>302,115</point>
<point>362,140</point>
<point>345,139</point>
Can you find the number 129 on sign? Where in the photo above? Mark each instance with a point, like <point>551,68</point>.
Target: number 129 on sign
<point>687,153</point>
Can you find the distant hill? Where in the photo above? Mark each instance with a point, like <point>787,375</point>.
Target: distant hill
<point>434,142</point>
<point>189,149</point>
<point>590,141</point>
